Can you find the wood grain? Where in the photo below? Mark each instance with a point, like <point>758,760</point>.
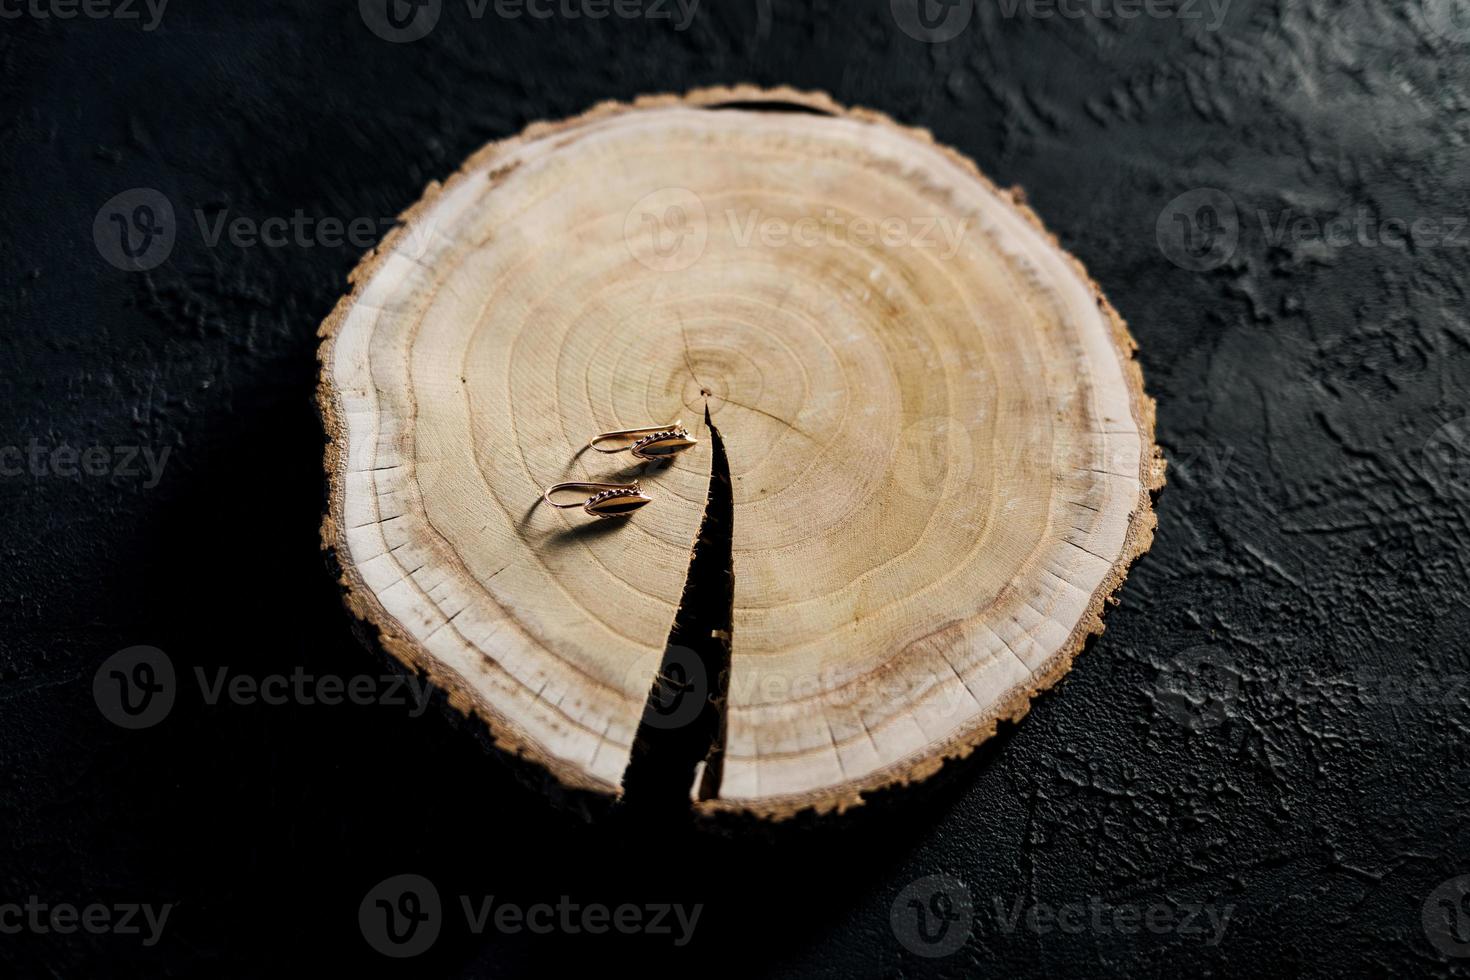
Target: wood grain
<point>941,454</point>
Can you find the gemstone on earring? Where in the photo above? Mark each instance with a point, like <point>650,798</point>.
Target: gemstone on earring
<point>663,445</point>
<point>617,503</point>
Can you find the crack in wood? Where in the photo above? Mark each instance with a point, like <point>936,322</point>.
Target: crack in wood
<point>683,724</point>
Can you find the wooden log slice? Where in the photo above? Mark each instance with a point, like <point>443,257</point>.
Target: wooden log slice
<point>940,451</point>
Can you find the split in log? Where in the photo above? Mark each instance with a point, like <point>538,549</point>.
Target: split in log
<point>936,453</point>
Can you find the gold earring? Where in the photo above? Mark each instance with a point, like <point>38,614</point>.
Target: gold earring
<point>650,442</point>
<point>611,499</point>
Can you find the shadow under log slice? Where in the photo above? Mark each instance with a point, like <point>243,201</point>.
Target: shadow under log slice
<point>683,721</point>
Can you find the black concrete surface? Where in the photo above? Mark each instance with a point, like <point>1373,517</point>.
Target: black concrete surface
<point>1261,769</point>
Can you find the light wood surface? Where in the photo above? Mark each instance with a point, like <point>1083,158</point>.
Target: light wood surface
<point>940,449</point>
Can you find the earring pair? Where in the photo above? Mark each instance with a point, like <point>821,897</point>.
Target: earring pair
<point>653,442</point>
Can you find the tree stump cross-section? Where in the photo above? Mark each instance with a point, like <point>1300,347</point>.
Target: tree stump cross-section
<point>936,457</point>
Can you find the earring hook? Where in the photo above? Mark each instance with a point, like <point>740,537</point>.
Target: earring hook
<point>650,442</point>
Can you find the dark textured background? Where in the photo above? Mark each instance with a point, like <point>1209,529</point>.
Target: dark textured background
<point>1259,727</point>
